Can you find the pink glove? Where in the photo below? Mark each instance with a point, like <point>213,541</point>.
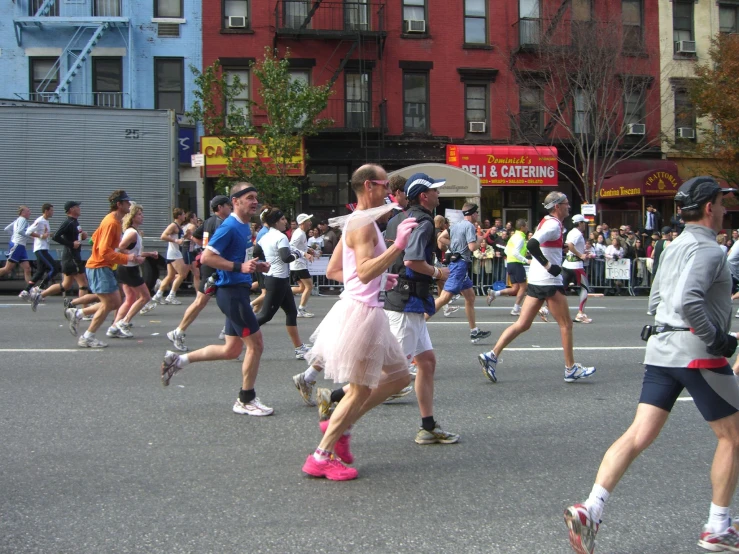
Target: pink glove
<point>391,281</point>
<point>404,232</point>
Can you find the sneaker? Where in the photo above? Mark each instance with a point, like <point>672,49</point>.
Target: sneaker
<point>323,401</point>
<point>222,334</point>
<point>544,314</point>
<point>74,320</point>
<point>331,468</point>
<point>436,436</point>
<point>305,388</point>
<point>157,284</point>
<point>87,317</point>
<point>35,298</point>
<point>254,408</point>
<point>516,312</point>
<point>477,336</point>
<point>578,371</point>
<point>301,351</point>
<point>125,329</point>
<point>341,448</point>
<point>652,313</point>
<point>488,361</point>
<point>455,298</point>
<point>158,298</point>
<point>405,391</point>
<point>582,529</point>
<point>178,341</point>
<point>413,370</point>
<point>68,302</point>
<point>737,313</point>
<point>114,332</point>
<point>583,318</point>
<point>491,296</point>
<point>24,295</point>
<point>720,542</point>
<point>92,342</point>
<point>149,306</point>
<point>302,312</point>
<point>169,366</point>
<point>449,310</point>
<point>172,300</point>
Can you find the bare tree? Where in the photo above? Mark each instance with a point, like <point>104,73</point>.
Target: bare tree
<point>585,87</point>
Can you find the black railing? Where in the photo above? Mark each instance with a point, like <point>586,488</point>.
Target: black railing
<point>306,17</point>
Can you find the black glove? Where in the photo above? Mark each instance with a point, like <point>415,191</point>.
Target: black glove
<point>554,270</point>
<point>723,345</point>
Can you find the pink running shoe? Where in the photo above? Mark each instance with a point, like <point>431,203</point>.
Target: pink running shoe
<point>582,529</point>
<point>341,448</point>
<point>728,541</point>
<point>332,469</point>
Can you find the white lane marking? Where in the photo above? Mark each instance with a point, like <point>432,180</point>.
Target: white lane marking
<point>464,322</point>
<point>31,350</point>
<point>559,348</point>
<point>685,399</point>
<point>509,308</point>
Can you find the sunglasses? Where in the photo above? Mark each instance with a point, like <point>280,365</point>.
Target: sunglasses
<point>383,182</point>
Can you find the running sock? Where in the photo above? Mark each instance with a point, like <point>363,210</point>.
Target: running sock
<point>428,423</point>
<point>179,332</point>
<point>496,293</point>
<point>311,374</point>
<point>79,314</point>
<point>321,455</point>
<point>183,360</point>
<point>245,396</point>
<point>596,502</point>
<point>88,334</point>
<point>718,518</point>
<point>475,330</point>
<point>337,395</point>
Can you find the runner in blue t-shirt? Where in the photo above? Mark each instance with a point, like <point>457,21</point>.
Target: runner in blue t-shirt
<point>230,252</point>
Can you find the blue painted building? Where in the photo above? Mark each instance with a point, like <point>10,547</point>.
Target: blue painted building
<point>113,53</point>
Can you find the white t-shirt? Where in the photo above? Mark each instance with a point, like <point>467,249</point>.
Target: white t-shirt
<point>128,234</point>
<point>18,231</point>
<point>299,242</point>
<point>40,227</point>
<point>549,235</point>
<point>271,243</point>
<point>575,237</point>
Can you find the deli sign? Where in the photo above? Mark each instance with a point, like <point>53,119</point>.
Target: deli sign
<point>506,165</point>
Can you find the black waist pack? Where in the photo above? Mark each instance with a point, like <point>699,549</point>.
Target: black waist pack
<point>413,288</point>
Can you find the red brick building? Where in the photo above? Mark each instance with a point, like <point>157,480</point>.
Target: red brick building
<point>411,76</point>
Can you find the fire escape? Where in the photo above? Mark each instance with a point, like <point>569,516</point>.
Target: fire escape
<point>357,31</point>
<point>80,26</point>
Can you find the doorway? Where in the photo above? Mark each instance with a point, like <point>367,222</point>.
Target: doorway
<point>512,214</point>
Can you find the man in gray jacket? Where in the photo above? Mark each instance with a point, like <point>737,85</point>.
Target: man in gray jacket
<point>688,349</point>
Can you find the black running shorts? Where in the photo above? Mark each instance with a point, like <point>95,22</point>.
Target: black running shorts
<point>130,276</point>
<point>298,274</point>
<point>72,266</point>
<point>714,391</point>
<point>240,318</point>
<point>542,292</point>
<point>517,272</point>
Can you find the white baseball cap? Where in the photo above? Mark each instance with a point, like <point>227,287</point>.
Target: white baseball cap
<point>578,218</point>
<point>302,218</point>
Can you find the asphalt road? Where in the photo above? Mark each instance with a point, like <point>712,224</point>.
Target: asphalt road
<point>97,457</point>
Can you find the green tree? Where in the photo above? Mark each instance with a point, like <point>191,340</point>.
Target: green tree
<point>263,135</point>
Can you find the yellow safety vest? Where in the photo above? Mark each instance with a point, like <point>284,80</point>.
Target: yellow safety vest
<point>524,250</point>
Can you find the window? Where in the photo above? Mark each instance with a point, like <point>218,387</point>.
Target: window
<point>476,108</point>
<point>169,81</point>
<point>682,21</point>
<point>107,82</point>
<point>44,79</point>
<point>106,8</point>
<point>413,10</point>
<point>684,115</point>
<point>300,77</point>
<point>530,110</point>
<point>356,15</point>
<point>581,115</point>
<point>168,8</point>
<point>529,25</point>
<point>728,17</point>
<point>357,100</point>
<point>239,106</point>
<point>633,107</point>
<point>35,5</point>
<point>631,20</point>
<point>475,22</point>
<point>415,102</point>
<point>295,12</point>
<point>235,8</point>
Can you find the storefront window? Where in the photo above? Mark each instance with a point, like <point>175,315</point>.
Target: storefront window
<point>330,193</point>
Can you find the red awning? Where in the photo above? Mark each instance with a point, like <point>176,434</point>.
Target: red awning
<point>662,182</point>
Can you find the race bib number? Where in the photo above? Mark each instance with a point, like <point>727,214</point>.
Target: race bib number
<point>249,254</point>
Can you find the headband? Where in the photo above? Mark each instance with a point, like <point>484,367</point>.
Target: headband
<point>273,218</point>
<point>556,201</point>
<point>471,211</point>
<point>242,192</point>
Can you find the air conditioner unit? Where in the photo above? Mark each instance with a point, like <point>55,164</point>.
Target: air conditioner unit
<point>477,126</point>
<point>686,133</point>
<point>685,47</point>
<point>236,21</point>
<point>636,129</point>
<point>415,25</point>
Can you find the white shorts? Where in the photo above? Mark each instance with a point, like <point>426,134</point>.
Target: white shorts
<point>411,331</point>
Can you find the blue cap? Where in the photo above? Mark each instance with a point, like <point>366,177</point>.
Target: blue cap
<point>420,182</point>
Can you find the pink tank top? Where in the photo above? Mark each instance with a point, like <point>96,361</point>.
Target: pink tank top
<point>354,288</point>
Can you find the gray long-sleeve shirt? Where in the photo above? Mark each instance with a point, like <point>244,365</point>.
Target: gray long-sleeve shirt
<point>692,289</point>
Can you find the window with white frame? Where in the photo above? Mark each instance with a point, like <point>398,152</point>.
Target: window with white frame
<point>238,106</point>
<point>236,14</point>
<point>414,10</point>
<point>684,115</point>
<point>357,100</point>
<point>634,107</point>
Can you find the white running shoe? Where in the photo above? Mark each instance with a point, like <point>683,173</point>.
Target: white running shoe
<point>178,340</point>
<point>159,299</point>
<point>24,295</point>
<point>544,314</point>
<point>169,366</point>
<point>222,334</point>
<point>516,312</point>
<point>449,310</point>
<point>577,372</point>
<point>156,285</point>
<point>491,296</point>
<point>35,298</point>
<point>305,388</point>
<point>302,312</point>
<point>114,332</point>
<point>413,370</point>
<point>125,329</point>
<point>301,351</point>
<point>253,408</point>
<point>92,342</point>
<point>400,394</point>
<point>172,300</point>
<point>149,306</point>
<point>74,320</point>
<point>583,318</point>
<point>87,317</point>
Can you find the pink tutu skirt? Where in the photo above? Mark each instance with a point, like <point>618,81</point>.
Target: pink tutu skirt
<point>354,344</point>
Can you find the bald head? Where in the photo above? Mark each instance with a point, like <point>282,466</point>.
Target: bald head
<point>367,172</point>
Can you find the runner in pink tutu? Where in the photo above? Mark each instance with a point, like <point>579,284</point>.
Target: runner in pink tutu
<point>354,343</point>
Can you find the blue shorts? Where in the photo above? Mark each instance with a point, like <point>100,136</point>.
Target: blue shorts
<point>458,279</point>
<point>714,391</point>
<point>17,253</point>
<point>102,280</point>
<point>234,303</point>
<point>517,272</point>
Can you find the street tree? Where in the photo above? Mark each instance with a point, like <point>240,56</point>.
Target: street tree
<point>264,135</point>
<point>584,87</point>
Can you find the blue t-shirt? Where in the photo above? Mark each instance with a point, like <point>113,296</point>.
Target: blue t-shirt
<point>263,231</point>
<point>232,241</point>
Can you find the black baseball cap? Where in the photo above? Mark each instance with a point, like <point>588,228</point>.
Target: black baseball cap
<point>219,200</point>
<point>697,191</point>
<point>666,230</point>
<point>70,204</point>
